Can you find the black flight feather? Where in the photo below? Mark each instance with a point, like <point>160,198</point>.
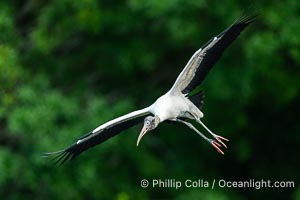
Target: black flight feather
<point>75,149</point>
<point>212,54</point>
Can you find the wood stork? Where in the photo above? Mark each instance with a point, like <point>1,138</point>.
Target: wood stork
<point>175,105</point>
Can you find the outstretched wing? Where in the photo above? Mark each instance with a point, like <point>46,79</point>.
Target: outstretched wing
<point>99,135</point>
<point>203,60</point>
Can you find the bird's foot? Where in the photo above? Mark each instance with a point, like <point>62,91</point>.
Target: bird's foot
<point>220,138</point>
<point>216,145</point>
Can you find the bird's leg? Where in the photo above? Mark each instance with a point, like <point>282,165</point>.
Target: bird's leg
<point>217,137</point>
<point>193,128</point>
<point>214,143</point>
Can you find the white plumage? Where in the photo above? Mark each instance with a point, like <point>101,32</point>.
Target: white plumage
<point>175,105</point>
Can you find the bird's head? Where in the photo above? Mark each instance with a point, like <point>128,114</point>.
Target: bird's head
<point>150,123</point>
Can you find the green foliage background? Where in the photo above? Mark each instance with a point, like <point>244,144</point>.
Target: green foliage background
<point>67,66</point>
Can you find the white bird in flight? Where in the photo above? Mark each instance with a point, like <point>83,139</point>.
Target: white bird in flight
<point>174,106</point>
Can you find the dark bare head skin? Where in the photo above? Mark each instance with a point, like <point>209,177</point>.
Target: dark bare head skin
<point>150,123</point>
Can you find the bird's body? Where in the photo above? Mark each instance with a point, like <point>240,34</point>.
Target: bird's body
<point>170,106</point>
<point>176,105</point>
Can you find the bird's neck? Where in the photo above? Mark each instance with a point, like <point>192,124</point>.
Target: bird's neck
<point>157,120</point>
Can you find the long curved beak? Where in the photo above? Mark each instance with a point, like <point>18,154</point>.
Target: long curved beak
<point>142,133</point>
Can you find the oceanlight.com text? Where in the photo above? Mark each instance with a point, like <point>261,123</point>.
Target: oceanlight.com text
<point>221,183</point>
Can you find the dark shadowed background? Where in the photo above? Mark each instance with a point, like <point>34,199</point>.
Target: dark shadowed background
<point>68,66</point>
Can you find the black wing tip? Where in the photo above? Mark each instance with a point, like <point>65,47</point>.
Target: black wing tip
<point>60,157</point>
<point>68,154</point>
<point>55,157</point>
<point>247,17</point>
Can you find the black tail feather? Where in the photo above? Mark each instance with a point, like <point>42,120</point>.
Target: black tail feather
<point>198,99</point>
